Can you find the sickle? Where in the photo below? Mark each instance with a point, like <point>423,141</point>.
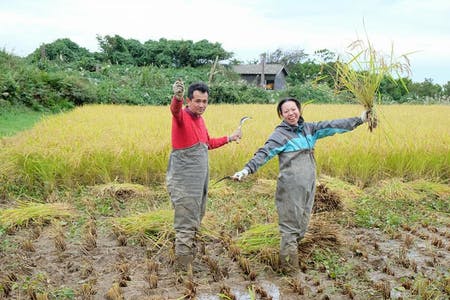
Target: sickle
<point>241,122</point>
<point>221,179</point>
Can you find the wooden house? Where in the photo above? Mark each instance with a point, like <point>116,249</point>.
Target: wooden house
<point>272,75</point>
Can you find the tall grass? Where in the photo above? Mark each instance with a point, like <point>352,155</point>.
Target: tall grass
<point>13,120</point>
<point>103,143</point>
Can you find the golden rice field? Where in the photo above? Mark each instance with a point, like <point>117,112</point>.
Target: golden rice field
<point>103,143</point>
<point>84,213</point>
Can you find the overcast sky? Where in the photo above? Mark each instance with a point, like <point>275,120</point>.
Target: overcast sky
<point>245,27</point>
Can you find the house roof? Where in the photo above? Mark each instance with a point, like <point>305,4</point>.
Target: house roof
<point>271,69</point>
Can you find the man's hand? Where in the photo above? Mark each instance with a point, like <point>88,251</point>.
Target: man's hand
<point>235,136</point>
<point>178,89</point>
<point>240,175</point>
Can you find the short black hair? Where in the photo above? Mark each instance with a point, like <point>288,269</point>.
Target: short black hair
<point>282,101</point>
<point>197,86</point>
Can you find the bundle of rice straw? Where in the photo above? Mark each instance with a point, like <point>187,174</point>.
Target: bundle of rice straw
<point>362,73</point>
<point>326,200</point>
<point>266,237</point>
<point>156,225</point>
<point>29,212</point>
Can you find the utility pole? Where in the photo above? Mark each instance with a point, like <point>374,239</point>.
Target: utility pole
<point>263,63</point>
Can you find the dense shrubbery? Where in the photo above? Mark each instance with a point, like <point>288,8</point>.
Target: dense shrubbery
<point>61,75</point>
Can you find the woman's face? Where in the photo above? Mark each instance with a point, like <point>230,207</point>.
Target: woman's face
<point>290,112</point>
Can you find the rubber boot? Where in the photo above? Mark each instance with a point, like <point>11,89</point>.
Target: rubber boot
<point>183,263</point>
<point>289,263</point>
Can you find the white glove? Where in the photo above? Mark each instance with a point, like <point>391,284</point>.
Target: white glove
<point>178,89</point>
<point>365,115</point>
<point>235,136</point>
<point>240,175</point>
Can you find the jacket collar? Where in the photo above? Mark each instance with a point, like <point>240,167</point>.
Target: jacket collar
<point>294,128</point>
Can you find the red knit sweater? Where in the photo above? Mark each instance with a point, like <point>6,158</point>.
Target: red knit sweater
<point>189,129</point>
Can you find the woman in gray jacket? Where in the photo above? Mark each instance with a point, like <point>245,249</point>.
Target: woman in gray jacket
<point>293,141</point>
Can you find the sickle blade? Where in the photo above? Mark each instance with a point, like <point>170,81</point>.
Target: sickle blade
<point>243,120</point>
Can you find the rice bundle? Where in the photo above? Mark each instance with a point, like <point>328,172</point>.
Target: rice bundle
<point>151,223</point>
<point>394,189</point>
<point>121,191</point>
<point>364,71</point>
<point>326,200</point>
<point>346,192</point>
<point>28,212</point>
<point>266,238</point>
<point>156,225</point>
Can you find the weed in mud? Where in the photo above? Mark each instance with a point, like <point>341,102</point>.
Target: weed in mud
<point>87,270</point>
<point>424,288</point>
<point>347,289</point>
<point>259,290</point>
<point>330,263</point>
<point>394,204</point>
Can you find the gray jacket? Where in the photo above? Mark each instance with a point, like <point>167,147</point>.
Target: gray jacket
<point>301,138</point>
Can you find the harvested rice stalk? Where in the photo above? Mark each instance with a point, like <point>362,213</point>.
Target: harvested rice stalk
<point>261,238</point>
<point>28,212</point>
<point>362,72</point>
<point>225,291</point>
<point>121,191</point>
<point>156,225</point>
<point>394,189</point>
<point>59,237</point>
<point>27,245</point>
<point>258,237</point>
<point>346,192</point>
<point>326,200</point>
<point>114,293</point>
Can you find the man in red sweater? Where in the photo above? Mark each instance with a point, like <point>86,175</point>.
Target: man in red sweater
<point>188,172</point>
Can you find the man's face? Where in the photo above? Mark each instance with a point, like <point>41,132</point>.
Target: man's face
<point>198,103</point>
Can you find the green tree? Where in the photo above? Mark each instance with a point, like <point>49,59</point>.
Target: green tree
<point>62,50</point>
<point>426,89</point>
<point>394,88</point>
<point>446,89</point>
<point>303,72</point>
<point>115,49</point>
